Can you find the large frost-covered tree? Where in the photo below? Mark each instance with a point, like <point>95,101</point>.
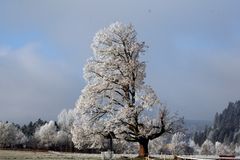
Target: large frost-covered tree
<point>116,101</point>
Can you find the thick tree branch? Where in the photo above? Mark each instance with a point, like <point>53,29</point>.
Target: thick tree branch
<point>162,130</point>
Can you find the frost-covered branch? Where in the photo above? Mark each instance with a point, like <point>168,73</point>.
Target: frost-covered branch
<point>116,99</point>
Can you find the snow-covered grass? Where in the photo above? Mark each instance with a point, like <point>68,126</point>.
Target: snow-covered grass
<point>32,155</point>
<point>51,155</point>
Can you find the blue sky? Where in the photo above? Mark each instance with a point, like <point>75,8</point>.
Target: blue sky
<point>192,60</point>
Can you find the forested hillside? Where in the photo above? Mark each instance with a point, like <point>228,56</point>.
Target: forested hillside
<point>225,128</point>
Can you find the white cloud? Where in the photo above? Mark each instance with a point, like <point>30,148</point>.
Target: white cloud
<point>33,86</point>
<point>4,51</point>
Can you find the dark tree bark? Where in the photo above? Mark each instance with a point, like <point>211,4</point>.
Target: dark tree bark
<point>143,147</point>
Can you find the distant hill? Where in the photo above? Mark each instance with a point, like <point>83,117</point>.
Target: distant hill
<point>225,128</point>
<point>193,126</point>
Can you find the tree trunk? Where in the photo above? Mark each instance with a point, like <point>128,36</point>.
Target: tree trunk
<point>143,148</point>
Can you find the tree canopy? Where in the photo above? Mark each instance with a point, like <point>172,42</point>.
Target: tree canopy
<point>116,100</point>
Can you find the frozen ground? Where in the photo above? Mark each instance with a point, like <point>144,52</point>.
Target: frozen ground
<point>31,155</point>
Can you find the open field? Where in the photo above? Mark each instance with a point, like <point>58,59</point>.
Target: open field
<point>34,155</point>
<point>51,155</point>
<point>31,155</point>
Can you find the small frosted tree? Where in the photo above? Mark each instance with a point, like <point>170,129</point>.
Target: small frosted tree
<point>222,149</point>
<point>64,136</point>
<point>160,145</point>
<point>194,146</point>
<point>116,101</point>
<point>65,120</point>
<point>207,148</point>
<point>178,143</point>
<point>10,135</point>
<point>20,138</point>
<point>47,134</point>
<point>237,150</point>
